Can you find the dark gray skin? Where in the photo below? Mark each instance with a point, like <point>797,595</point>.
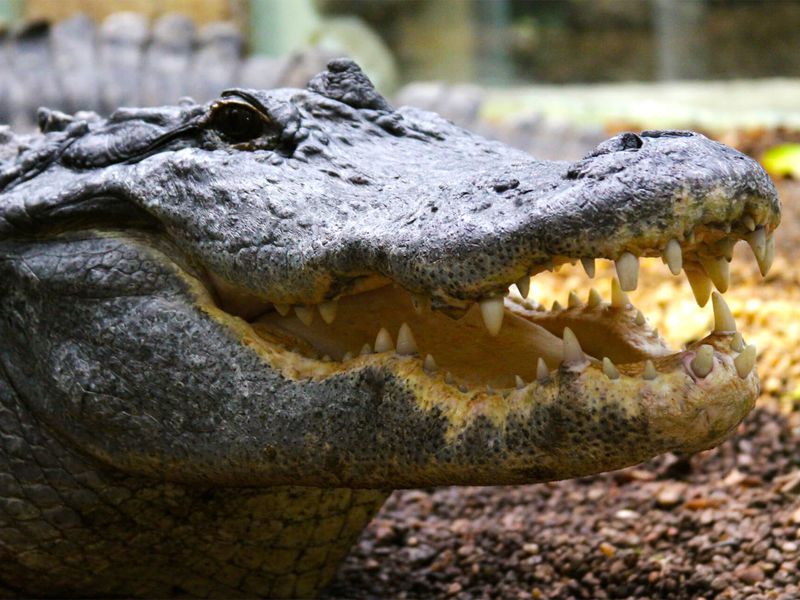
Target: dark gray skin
<point>148,442</point>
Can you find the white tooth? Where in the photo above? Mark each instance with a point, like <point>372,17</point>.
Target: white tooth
<point>703,361</point>
<point>573,300</point>
<point>718,270</point>
<point>283,309</point>
<point>463,388</point>
<point>619,299</point>
<point>406,344</point>
<point>627,271</point>
<point>492,313</point>
<point>758,242</point>
<point>383,342</point>
<point>572,347</point>
<point>749,222</point>
<point>588,266</point>
<point>673,256</point>
<point>723,319</point>
<point>449,379</point>
<point>542,372</point>
<point>639,320</point>
<point>765,264</point>
<point>327,311</point>
<point>701,285</point>
<point>305,314</point>
<point>737,343</point>
<point>326,358</point>
<point>609,369</point>
<point>347,356</point>
<point>524,286</point>
<point>429,365</point>
<point>419,303</point>
<point>489,389</point>
<point>594,298</point>
<point>519,381</point>
<point>556,306</point>
<point>649,370</point>
<point>745,362</point>
<point>365,349</point>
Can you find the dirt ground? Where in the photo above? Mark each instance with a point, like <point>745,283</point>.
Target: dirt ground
<point>721,524</point>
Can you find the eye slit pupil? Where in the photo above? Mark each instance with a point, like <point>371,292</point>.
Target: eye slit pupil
<point>239,123</point>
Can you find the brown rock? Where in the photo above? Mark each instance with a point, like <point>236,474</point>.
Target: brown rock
<point>751,575</point>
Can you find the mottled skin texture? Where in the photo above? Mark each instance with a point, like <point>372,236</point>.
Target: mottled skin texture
<point>149,439</point>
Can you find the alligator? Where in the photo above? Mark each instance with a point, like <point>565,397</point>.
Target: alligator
<point>230,329</point>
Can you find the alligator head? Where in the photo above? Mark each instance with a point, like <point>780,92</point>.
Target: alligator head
<point>310,287</point>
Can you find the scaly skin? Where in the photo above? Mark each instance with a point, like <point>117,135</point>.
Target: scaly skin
<point>159,412</point>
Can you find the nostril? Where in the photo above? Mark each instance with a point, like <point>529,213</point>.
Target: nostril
<point>618,143</point>
<point>630,141</point>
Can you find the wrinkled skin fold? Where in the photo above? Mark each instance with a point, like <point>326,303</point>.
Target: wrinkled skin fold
<point>148,262</point>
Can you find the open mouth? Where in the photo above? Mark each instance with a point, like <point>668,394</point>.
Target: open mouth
<point>501,344</point>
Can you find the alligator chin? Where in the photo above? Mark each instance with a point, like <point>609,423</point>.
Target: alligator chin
<point>507,350</point>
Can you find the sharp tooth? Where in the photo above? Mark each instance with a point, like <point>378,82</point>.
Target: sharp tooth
<point>463,388</point>
<point>365,349</point>
<point>745,362</point>
<point>572,347</point>
<point>588,266</point>
<point>492,313</point>
<point>649,370</point>
<point>628,271</point>
<point>489,389</point>
<point>449,379</point>
<point>723,319</point>
<point>619,299</point>
<point>594,299</point>
<point>718,271</point>
<point>519,381</point>
<point>283,309</point>
<point>524,286</point>
<point>765,263</point>
<point>673,256</point>
<point>758,243</point>
<point>573,300</point>
<point>406,344</point>
<point>639,320</point>
<point>542,372</point>
<point>305,314</point>
<point>737,343</point>
<point>609,369</point>
<point>703,361</point>
<point>701,285</point>
<point>347,356</point>
<point>383,342</point>
<point>749,223</point>
<point>429,365</point>
<point>556,306</point>
<point>327,311</point>
<point>327,358</point>
<point>419,303</point>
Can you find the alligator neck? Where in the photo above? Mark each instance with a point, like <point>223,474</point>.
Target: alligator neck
<point>69,524</point>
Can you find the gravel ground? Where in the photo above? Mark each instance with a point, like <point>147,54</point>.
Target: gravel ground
<point>721,524</point>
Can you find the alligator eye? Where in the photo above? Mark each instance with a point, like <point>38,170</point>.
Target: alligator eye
<point>238,122</point>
